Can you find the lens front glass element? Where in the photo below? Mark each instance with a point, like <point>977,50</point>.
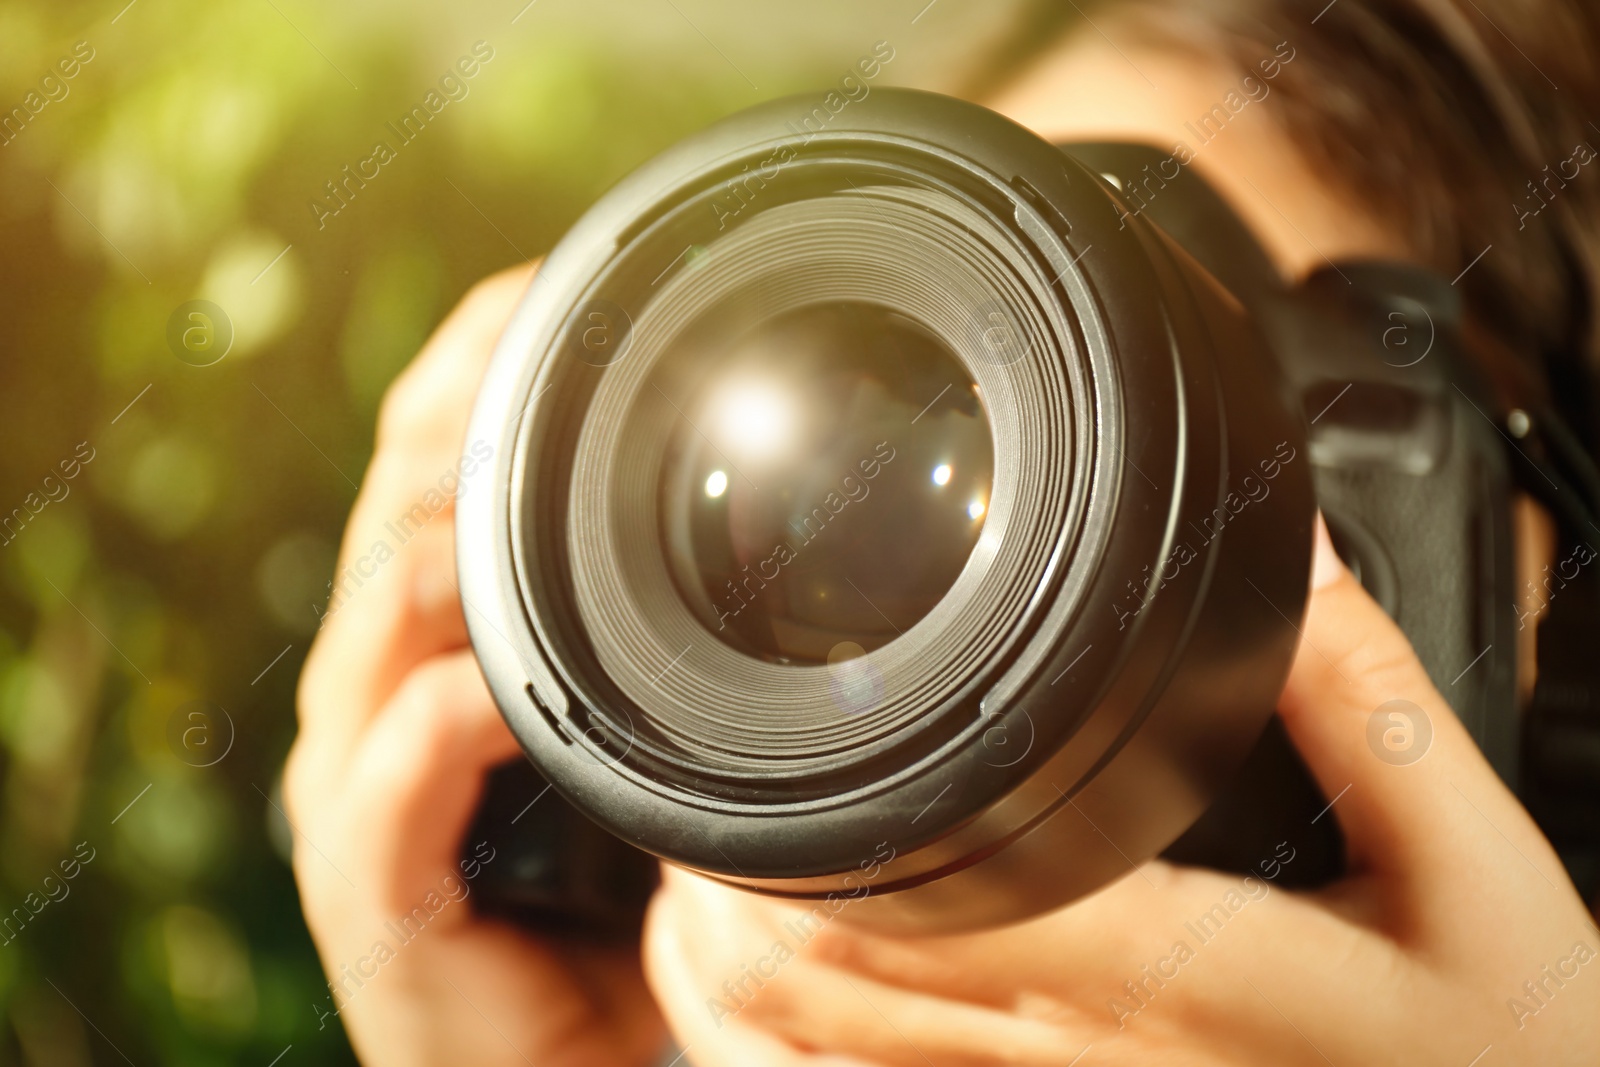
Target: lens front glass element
<point>827,484</point>
<point>817,496</point>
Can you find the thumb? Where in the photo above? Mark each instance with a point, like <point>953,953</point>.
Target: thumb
<point>1385,747</point>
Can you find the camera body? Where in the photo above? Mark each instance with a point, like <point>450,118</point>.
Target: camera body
<point>1410,473</point>
<point>1096,682</point>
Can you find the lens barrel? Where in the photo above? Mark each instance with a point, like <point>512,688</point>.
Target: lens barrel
<point>884,514</point>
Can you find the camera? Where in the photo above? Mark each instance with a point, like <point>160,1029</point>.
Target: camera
<point>928,539</point>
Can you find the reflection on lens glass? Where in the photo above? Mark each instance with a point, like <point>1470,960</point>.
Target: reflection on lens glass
<point>827,483</point>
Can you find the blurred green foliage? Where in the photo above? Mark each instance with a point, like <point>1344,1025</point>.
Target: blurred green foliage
<point>194,546</point>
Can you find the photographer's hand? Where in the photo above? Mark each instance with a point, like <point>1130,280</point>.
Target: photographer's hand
<point>397,731</point>
<point>1420,956</point>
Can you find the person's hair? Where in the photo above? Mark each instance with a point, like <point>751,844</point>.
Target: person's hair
<point>1464,124</point>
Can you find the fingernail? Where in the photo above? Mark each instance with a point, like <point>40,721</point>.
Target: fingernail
<point>1326,566</point>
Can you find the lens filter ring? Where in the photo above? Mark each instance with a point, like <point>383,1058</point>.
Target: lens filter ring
<point>909,249</point>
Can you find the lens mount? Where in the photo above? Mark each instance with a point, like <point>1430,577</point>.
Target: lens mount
<point>1106,393</point>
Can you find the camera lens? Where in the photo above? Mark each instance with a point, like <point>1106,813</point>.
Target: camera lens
<point>815,505</point>
<point>867,494</point>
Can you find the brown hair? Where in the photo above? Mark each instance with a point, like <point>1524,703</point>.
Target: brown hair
<point>1464,124</point>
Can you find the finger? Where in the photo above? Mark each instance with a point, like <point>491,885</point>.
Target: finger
<point>834,987</point>
<point>425,413</point>
<point>741,934</point>
<point>1082,972</point>
<point>390,611</point>
<point>558,1005</point>
<point>821,1006</point>
<point>1404,813</point>
<point>428,404</point>
<point>418,776</point>
<point>1097,943</point>
<point>709,1035</point>
<point>410,486</point>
